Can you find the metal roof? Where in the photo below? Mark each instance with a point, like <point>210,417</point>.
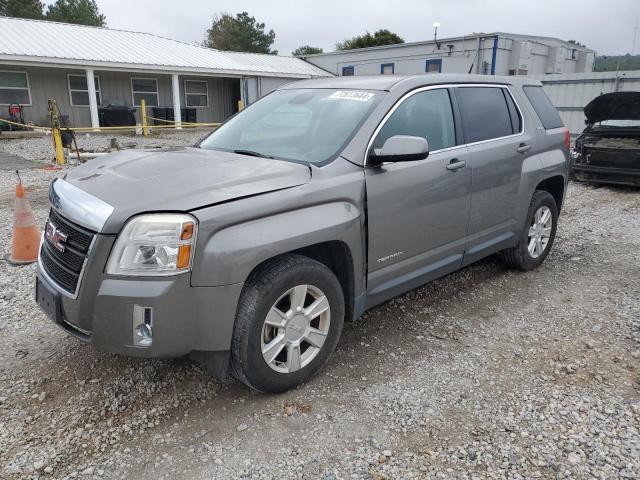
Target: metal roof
<point>52,43</point>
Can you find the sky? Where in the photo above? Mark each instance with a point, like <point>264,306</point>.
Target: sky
<point>605,26</point>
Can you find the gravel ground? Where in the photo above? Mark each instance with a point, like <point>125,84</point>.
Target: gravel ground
<point>486,373</point>
<point>41,149</point>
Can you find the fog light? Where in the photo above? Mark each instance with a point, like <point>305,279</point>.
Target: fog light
<point>142,326</point>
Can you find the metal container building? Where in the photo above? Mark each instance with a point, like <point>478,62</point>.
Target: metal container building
<point>486,53</point>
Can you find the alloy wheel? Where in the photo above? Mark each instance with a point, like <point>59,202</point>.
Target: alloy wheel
<point>540,231</point>
<point>295,328</point>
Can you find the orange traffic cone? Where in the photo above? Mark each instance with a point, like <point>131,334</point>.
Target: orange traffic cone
<point>26,234</point>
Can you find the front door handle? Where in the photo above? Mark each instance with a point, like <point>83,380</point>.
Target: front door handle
<point>456,164</point>
<point>523,148</point>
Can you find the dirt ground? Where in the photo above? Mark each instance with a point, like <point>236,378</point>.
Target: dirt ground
<point>486,373</point>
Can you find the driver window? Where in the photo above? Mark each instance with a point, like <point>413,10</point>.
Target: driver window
<point>425,114</point>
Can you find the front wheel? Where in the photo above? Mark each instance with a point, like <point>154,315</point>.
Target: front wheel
<point>288,323</point>
<point>537,238</point>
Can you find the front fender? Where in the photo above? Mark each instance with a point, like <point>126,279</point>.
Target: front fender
<point>229,255</point>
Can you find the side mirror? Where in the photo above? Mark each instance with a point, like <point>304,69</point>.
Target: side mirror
<point>401,148</point>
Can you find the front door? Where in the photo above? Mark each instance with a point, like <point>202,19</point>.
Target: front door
<point>418,211</point>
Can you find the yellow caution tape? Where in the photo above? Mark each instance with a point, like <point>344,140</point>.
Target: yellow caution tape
<point>99,129</point>
<point>25,125</point>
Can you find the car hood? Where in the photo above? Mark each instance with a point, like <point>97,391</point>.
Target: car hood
<point>613,106</point>
<point>179,179</point>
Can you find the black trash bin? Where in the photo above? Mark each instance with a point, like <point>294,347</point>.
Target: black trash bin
<point>166,113</point>
<point>117,116</point>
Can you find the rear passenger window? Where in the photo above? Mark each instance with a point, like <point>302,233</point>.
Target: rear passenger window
<point>544,108</point>
<point>486,114</point>
<point>425,114</point>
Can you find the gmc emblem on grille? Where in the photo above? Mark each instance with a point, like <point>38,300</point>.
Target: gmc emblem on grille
<point>55,236</point>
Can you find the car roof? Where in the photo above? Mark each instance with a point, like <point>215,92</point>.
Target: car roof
<point>389,82</point>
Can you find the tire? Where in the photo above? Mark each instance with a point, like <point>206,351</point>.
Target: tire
<point>275,289</point>
<point>520,256</point>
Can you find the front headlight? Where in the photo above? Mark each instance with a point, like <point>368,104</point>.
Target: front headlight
<point>154,244</point>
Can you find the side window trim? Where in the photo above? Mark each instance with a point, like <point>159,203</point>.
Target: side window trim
<point>457,117</point>
<point>456,114</point>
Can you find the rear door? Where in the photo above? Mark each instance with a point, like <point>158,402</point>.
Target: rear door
<point>494,134</point>
<point>417,211</point>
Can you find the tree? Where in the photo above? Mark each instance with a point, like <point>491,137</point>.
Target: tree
<point>381,37</point>
<point>306,50</point>
<point>22,8</point>
<point>81,12</point>
<point>612,63</point>
<point>241,33</point>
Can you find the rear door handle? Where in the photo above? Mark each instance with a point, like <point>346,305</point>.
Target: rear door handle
<point>523,148</point>
<point>456,164</point>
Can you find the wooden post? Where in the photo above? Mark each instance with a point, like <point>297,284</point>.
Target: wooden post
<point>57,141</point>
<point>143,115</point>
<point>55,131</point>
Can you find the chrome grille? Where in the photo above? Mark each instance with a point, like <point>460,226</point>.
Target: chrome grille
<point>65,267</point>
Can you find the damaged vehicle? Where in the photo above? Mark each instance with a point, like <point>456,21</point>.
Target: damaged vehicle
<point>608,150</point>
<point>317,202</point>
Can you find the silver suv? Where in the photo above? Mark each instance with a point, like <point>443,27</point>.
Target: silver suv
<point>327,197</point>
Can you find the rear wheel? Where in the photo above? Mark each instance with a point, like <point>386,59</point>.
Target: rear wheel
<point>537,238</point>
<point>288,323</point>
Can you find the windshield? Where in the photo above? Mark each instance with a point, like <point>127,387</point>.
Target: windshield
<point>304,125</point>
<point>619,123</point>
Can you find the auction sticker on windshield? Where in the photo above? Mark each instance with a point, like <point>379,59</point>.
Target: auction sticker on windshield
<point>352,95</point>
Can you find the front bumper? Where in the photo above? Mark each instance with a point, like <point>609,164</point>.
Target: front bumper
<point>185,318</point>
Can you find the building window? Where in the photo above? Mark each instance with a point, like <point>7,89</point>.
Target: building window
<point>387,69</point>
<point>196,93</point>
<point>146,88</point>
<point>79,92</point>
<point>433,65</point>
<point>348,71</point>
<point>14,88</point>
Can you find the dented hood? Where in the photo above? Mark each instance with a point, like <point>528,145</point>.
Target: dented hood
<point>613,106</point>
<point>180,179</point>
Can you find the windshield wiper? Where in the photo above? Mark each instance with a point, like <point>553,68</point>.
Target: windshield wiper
<point>251,153</point>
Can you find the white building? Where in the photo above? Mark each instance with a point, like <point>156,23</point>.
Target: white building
<point>40,60</point>
<point>486,53</point>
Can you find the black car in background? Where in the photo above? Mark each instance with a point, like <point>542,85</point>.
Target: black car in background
<point>608,150</point>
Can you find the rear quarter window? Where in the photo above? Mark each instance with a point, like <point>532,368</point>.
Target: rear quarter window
<point>545,110</point>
